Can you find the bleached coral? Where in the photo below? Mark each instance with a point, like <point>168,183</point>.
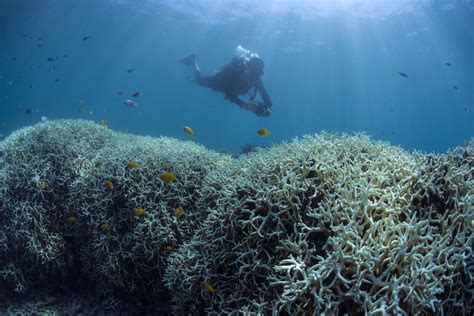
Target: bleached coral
<point>133,253</point>
<point>330,224</point>
<point>324,224</point>
<point>37,167</point>
<point>55,199</point>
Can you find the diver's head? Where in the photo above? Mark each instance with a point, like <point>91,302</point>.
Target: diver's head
<point>255,66</point>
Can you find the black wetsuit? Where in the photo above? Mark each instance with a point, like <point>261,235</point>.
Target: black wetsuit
<point>235,80</point>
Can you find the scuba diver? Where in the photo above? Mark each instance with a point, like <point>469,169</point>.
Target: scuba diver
<point>242,75</point>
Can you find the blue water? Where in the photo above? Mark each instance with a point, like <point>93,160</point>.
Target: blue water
<point>329,65</point>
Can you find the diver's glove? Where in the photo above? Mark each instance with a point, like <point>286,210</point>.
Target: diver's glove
<point>263,110</point>
<point>257,107</point>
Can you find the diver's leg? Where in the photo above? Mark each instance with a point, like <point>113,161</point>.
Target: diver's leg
<point>200,79</point>
<point>191,61</point>
<point>197,72</point>
<point>205,81</point>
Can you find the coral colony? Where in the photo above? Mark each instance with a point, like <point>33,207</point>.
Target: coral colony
<point>325,224</point>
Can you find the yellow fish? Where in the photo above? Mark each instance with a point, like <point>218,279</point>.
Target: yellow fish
<point>139,212</point>
<point>178,211</point>
<point>188,130</point>
<point>168,248</point>
<point>133,165</point>
<point>109,185</point>
<point>71,219</point>
<point>104,122</point>
<point>82,111</point>
<point>105,227</point>
<point>43,185</point>
<point>209,287</point>
<point>82,101</point>
<point>168,177</point>
<point>263,132</point>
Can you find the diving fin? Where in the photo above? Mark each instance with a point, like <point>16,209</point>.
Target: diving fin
<point>189,60</point>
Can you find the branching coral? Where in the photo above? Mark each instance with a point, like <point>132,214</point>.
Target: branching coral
<point>33,199</point>
<point>55,201</point>
<point>324,224</point>
<point>135,249</point>
<point>331,224</point>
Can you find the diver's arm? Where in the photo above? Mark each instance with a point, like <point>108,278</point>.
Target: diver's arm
<point>236,100</point>
<point>251,106</point>
<point>266,99</point>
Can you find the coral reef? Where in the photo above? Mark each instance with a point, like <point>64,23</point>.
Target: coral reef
<point>332,225</point>
<point>324,224</point>
<point>248,148</point>
<point>54,201</point>
<point>37,168</point>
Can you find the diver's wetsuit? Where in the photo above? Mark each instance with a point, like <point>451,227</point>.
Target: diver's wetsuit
<point>235,79</point>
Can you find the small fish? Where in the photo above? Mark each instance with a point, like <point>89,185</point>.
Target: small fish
<point>130,103</point>
<point>188,130</point>
<point>43,119</point>
<point>83,101</point>
<point>177,211</point>
<point>66,55</point>
<point>71,219</point>
<point>39,45</point>
<point>57,80</point>
<point>447,63</point>
<point>168,248</point>
<point>209,287</point>
<point>109,185</point>
<point>455,87</point>
<point>13,59</point>
<point>104,122</point>
<point>105,227</point>
<point>130,70</point>
<point>43,186</point>
<point>82,111</point>
<point>136,94</point>
<point>168,177</point>
<point>404,75</point>
<point>50,59</point>
<point>263,132</point>
<point>29,111</point>
<point>139,212</point>
<point>85,38</point>
<point>466,109</point>
<point>133,165</point>
<point>120,93</point>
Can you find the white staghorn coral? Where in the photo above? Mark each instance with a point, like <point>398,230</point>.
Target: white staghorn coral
<point>332,224</point>
<point>52,225</point>
<point>324,224</point>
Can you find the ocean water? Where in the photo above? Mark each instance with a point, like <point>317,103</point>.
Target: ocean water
<point>93,223</point>
<point>329,65</point>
